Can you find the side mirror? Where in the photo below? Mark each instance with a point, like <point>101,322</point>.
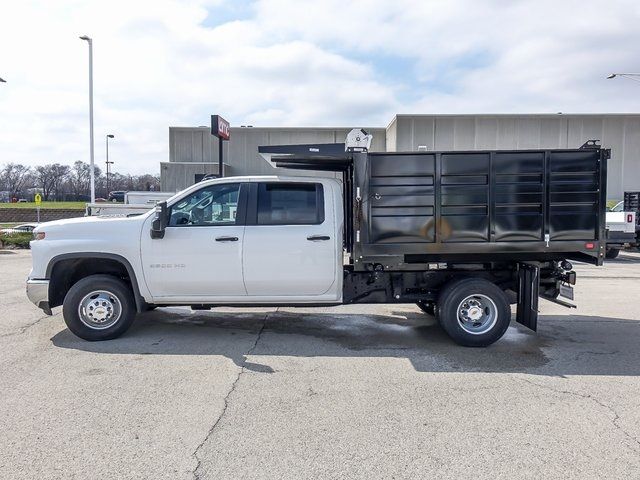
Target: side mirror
<point>160,222</point>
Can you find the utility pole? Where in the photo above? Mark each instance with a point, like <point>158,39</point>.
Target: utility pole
<point>108,162</point>
<point>92,162</point>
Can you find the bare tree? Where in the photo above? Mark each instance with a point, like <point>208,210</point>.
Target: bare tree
<point>51,177</point>
<point>147,182</point>
<point>15,177</point>
<point>79,178</point>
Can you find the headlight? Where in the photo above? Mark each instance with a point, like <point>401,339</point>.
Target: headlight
<point>39,236</point>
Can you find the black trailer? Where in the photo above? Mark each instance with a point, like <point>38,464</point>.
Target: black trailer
<point>429,227</point>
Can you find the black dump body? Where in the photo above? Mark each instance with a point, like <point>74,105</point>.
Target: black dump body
<point>410,208</point>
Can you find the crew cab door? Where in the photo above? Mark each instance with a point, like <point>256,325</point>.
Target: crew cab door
<point>290,244</point>
<point>200,255</point>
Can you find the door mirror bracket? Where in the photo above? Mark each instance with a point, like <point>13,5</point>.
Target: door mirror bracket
<point>160,221</point>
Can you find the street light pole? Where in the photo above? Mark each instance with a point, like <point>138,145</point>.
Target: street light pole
<point>108,162</point>
<point>92,172</point>
<point>631,76</point>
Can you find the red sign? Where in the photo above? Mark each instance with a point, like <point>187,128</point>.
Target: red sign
<point>220,127</point>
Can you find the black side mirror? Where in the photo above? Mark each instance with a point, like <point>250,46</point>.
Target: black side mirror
<point>160,222</point>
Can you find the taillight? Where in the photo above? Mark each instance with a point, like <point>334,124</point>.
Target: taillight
<point>589,245</point>
<point>629,218</point>
<point>39,236</point>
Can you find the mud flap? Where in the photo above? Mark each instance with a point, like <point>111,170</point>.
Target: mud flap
<point>528,286</point>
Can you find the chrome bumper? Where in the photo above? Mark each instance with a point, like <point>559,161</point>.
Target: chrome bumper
<point>38,293</point>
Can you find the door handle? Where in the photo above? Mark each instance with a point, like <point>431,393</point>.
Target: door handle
<point>226,239</point>
<point>315,238</point>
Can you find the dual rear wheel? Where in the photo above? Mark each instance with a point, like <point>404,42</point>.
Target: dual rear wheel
<point>474,312</point>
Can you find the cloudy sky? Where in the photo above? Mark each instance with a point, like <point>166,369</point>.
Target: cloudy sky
<point>298,63</point>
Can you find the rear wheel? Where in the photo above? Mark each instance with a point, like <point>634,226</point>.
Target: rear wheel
<point>612,253</point>
<point>474,312</point>
<point>99,307</point>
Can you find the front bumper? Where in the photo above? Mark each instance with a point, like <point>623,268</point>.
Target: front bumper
<point>38,293</point>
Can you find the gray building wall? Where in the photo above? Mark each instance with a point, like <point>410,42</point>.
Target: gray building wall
<point>193,150</point>
<point>176,176</point>
<point>620,133</point>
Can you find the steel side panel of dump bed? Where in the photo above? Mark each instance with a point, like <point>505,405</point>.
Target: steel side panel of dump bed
<point>457,203</point>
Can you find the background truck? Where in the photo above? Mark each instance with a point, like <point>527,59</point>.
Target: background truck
<point>461,234</point>
<point>622,229</point>
<point>135,203</point>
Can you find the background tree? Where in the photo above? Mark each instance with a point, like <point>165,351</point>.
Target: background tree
<point>51,178</point>
<point>80,178</point>
<point>15,178</point>
<point>62,182</point>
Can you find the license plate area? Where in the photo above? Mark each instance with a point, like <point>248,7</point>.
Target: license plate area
<point>566,291</point>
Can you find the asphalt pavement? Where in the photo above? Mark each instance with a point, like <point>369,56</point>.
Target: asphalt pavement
<point>360,392</point>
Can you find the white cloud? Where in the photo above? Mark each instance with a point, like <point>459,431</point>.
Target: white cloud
<point>296,63</point>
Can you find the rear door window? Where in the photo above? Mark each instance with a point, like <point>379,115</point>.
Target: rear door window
<point>290,204</point>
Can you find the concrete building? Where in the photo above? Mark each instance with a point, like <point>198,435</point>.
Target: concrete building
<point>194,152</point>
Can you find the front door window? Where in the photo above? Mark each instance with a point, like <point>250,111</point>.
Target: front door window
<point>209,206</point>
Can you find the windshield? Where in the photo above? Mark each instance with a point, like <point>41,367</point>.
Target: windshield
<point>618,207</point>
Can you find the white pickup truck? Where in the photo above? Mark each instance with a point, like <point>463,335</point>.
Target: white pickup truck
<point>461,234</point>
<point>621,230</point>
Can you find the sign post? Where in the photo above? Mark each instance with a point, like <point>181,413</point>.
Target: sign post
<point>220,128</point>
<point>38,199</point>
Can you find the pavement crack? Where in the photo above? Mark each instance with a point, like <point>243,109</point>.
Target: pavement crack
<point>616,417</point>
<point>24,328</point>
<point>196,474</point>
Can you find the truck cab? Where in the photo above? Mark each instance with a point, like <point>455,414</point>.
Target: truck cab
<point>236,240</point>
<point>260,240</point>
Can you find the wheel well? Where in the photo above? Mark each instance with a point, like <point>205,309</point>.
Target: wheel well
<point>66,272</point>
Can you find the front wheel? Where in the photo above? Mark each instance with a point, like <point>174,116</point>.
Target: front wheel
<point>99,307</point>
<point>474,312</point>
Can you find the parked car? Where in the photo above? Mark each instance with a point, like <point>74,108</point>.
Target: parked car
<point>117,196</point>
<point>24,228</point>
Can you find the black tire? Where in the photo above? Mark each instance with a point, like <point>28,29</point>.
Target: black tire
<point>612,253</point>
<point>427,307</point>
<point>114,288</point>
<point>478,292</point>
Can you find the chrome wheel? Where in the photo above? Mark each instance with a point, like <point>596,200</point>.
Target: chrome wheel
<point>477,314</point>
<point>99,309</point>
